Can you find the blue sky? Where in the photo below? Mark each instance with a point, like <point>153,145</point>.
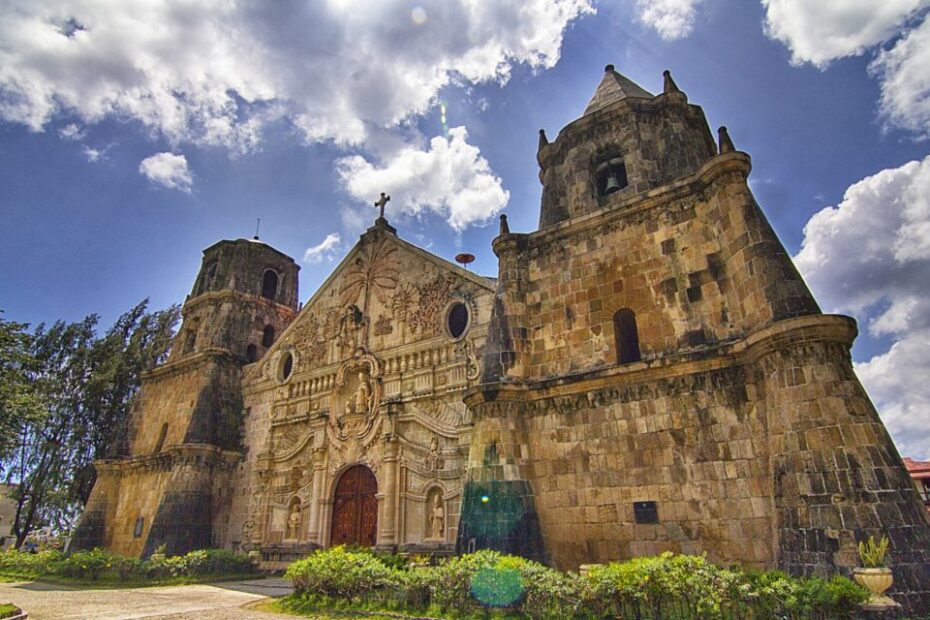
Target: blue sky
<point>134,135</point>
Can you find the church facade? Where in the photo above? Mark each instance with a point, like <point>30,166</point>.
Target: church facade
<point>648,372</point>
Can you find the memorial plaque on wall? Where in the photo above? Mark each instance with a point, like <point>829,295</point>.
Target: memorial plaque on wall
<point>646,512</point>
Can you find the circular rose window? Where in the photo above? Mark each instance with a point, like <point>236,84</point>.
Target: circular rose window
<point>285,366</point>
<point>457,319</point>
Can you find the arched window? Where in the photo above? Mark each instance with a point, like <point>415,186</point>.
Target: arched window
<point>251,353</point>
<point>270,284</point>
<point>162,434</point>
<point>611,176</point>
<point>190,340</point>
<point>209,278</point>
<point>268,336</point>
<point>626,336</point>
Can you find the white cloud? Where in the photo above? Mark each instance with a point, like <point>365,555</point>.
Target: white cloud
<point>870,256</point>
<point>672,19</point>
<point>93,155</point>
<point>904,73</point>
<point>449,178</point>
<point>824,30</point>
<point>324,249</point>
<point>72,132</point>
<point>215,72</point>
<point>169,170</point>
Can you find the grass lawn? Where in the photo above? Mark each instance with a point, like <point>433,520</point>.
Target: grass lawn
<point>274,606</point>
<point>109,584</point>
<point>7,610</point>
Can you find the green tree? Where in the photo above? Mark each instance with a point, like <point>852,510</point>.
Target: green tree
<point>86,384</point>
<point>18,397</point>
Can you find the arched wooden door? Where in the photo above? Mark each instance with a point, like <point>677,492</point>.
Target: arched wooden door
<point>355,509</point>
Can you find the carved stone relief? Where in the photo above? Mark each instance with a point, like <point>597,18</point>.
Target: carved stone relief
<point>375,270</point>
<point>433,297</point>
<point>354,421</point>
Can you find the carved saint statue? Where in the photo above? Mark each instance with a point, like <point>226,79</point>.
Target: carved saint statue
<point>293,522</point>
<point>434,458</point>
<point>364,399</point>
<point>350,324</point>
<point>437,519</point>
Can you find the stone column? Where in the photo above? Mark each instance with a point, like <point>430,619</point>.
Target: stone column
<point>387,526</point>
<point>316,499</point>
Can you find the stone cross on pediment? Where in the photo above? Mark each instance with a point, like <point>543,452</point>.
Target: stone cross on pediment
<point>381,202</point>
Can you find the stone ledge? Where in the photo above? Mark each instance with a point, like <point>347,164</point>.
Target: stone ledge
<point>202,455</point>
<point>790,332</point>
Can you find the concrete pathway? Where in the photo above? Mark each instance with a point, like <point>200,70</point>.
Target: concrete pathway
<point>219,601</point>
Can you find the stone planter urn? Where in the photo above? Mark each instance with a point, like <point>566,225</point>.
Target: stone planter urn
<point>876,581</point>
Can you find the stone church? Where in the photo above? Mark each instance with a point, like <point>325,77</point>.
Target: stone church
<point>647,372</point>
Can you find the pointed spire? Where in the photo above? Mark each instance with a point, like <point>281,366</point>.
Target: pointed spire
<point>669,85</point>
<point>505,228</point>
<point>724,144</point>
<point>543,140</point>
<point>614,87</point>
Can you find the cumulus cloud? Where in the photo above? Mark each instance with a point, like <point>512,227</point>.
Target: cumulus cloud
<point>818,32</point>
<point>904,73</point>
<point>672,19</point>
<point>169,170</point>
<point>870,256</point>
<point>449,178</point>
<point>216,72</point>
<point>325,249</point>
<point>823,31</point>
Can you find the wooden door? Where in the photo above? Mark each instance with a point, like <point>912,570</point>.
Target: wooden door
<point>355,509</point>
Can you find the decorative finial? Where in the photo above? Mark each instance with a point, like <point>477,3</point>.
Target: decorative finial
<point>258,222</point>
<point>381,202</point>
<point>543,140</point>
<point>724,144</point>
<point>608,68</point>
<point>505,228</point>
<point>670,86</point>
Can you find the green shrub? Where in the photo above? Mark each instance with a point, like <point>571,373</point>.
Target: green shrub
<point>99,564</point>
<point>86,564</point>
<point>341,573</point>
<point>488,579</point>
<point>21,564</point>
<point>837,597</point>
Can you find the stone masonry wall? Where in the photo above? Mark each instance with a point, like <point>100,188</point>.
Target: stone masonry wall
<point>696,262</point>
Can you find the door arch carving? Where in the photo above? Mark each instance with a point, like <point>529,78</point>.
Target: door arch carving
<point>355,508</point>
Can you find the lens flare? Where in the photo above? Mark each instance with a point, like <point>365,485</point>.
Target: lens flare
<point>497,587</point>
<point>442,118</point>
<point>418,15</point>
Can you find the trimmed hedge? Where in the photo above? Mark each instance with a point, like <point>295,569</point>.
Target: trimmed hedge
<point>98,564</point>
<point>666,586</point>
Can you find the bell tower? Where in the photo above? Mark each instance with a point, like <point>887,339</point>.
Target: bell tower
<point>167,481</point>
<point>658,377</point>
<point>626,142</point>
